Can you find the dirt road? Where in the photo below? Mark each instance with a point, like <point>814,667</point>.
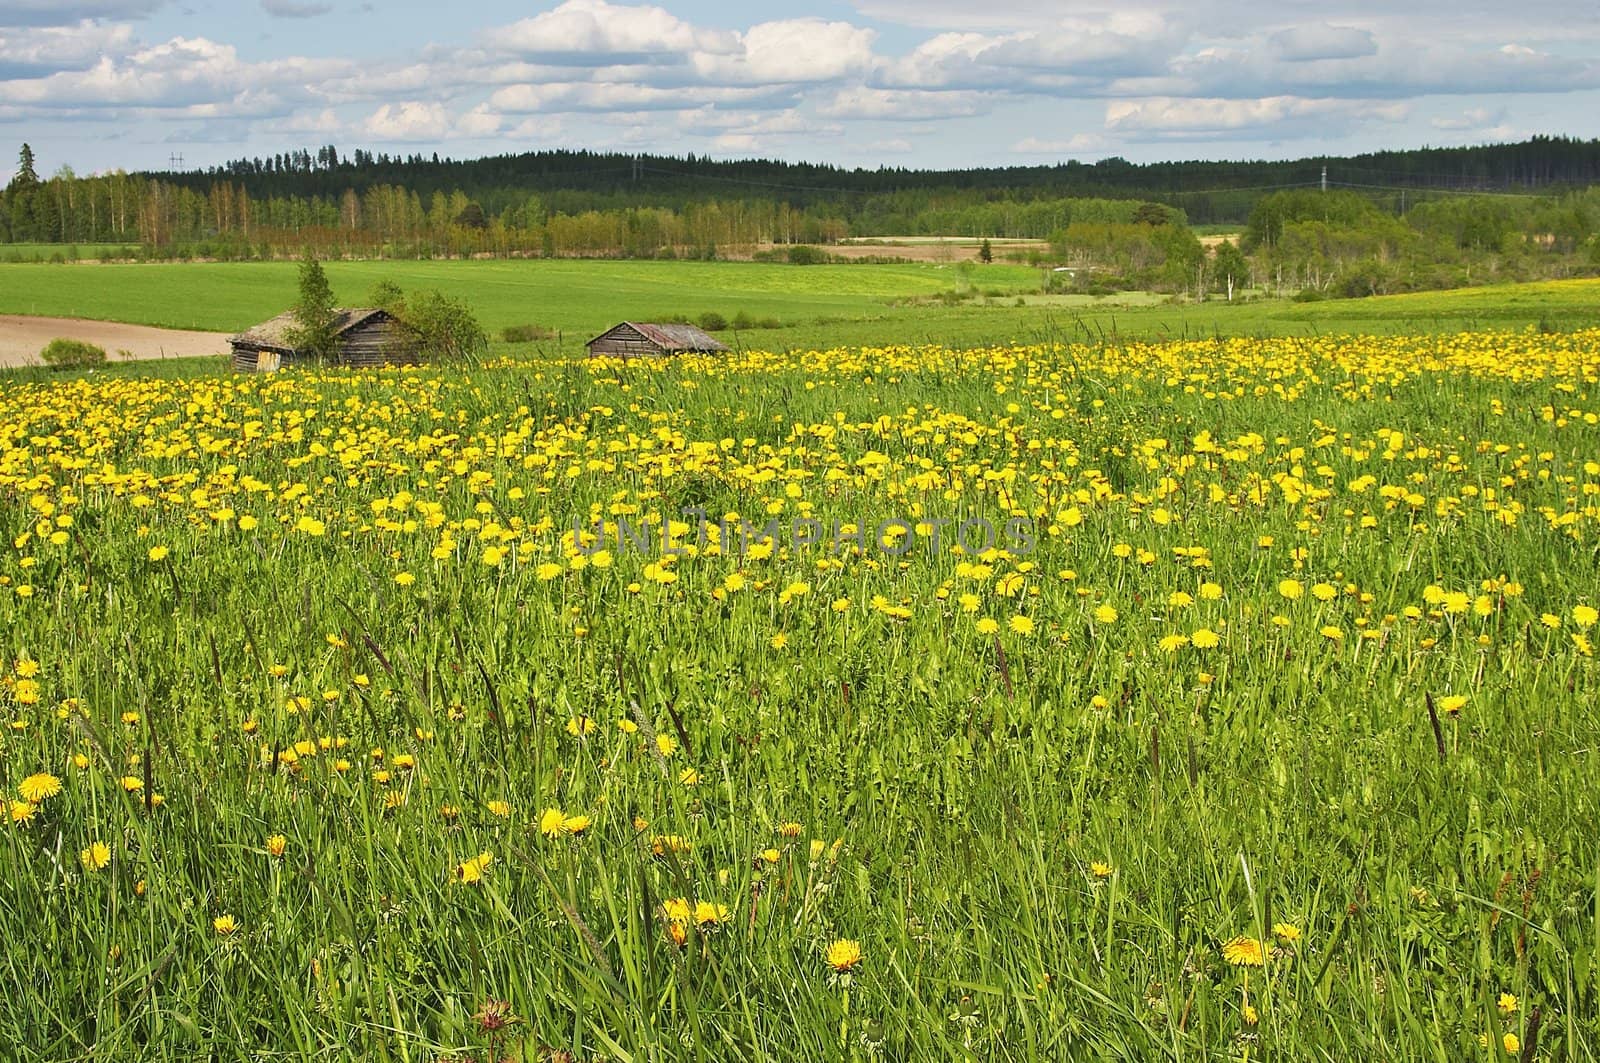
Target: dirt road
<point>21,339</point>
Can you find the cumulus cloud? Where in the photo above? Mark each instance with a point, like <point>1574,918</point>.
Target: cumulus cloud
<point>902,105</point>
<point>35,52</point>
<point>1077,144</point>
<point>1183,118</point>
<point>642,73</point>
<point>179,73</point>
<point>1322,41</point>
<point>421,121</point>
<point>791,51</point>
<point>591,32</point>
<point>1074,52</point>
<point>604,96</point>
<point>409,121</point>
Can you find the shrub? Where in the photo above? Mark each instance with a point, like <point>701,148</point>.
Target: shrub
<point>806,255</point>
<point>445,327</point>
<point>526,333</point>
<point>711,321</point>
<point>72,354</point>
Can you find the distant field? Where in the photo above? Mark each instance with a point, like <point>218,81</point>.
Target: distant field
<point>58,252</point>
<point>817,306</point>
<point>566,294</point>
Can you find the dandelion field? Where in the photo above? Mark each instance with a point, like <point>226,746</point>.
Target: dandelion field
<point>327,733</point>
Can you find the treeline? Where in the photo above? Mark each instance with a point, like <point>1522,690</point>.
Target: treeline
<point>1341,243</point>
<point>1208,191</point>
<point>1312,244</point>
<point>783,202</point>
<point>223,218</point>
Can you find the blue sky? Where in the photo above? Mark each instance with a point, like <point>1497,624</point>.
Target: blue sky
<point>103,84</point>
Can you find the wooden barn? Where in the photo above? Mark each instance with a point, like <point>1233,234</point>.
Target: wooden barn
<point>367,337</point>
<point>637,339</point>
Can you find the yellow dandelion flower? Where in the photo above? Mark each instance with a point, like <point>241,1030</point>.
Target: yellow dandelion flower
<point>1245,952</point>
<point>473,870</point>
<point>843,955</point>
<point>553,823</point>
<point>38,787</point>
<point>707,914</point>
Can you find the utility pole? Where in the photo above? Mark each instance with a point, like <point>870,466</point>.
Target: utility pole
<point>175,161</point>
<point>636,169</point>
<point>1324,177</point>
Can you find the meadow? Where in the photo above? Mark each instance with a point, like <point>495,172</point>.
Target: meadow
<point>815,307</point>
<point>360,715</point>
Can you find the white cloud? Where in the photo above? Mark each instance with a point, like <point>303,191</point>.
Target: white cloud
<point>183,72</point>
<point>413,120</point>
<point>583,31</point>
<point>424,121</point>
<point>1169,116</point>
<point>324,123</point>
<point>478,123</point>
<point>32,52</point>
<point>1322,41</point>
<point>902,105</point>
<point>602,96</point>
<point>1077,144</point>
<point>792,51</point>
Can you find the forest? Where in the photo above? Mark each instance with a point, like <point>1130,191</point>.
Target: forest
<point>1432,218</point>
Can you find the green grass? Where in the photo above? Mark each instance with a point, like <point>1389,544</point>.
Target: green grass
<point>61,252</point>
<point>818,306</point>
<point>571,295</point>
<point>1041,833</point>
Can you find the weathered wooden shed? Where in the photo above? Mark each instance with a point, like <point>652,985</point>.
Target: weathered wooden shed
<point>637,339</point>
<point>367,337</point>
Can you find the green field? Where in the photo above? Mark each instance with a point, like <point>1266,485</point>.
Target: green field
<point>323,737</point>
<point>818,306</point>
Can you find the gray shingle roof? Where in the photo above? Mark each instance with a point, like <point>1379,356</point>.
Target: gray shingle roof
<point>273,335</point>
<point>670,337</point>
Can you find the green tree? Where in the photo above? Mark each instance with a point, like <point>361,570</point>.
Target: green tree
<point>26,179</point>
<point>985,251</point>
<point>1230,268</point>
<point>314,312</point>
<point>386,295</point>
<point>445,327</point>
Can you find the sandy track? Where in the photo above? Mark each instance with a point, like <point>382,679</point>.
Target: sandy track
<point>22,338</point>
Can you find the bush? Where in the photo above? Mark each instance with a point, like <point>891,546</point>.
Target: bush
<point>526,333</point>
<point>445,327</point>
<point>806,255</point>
<point>72,354</point>
<point>711,321</point>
